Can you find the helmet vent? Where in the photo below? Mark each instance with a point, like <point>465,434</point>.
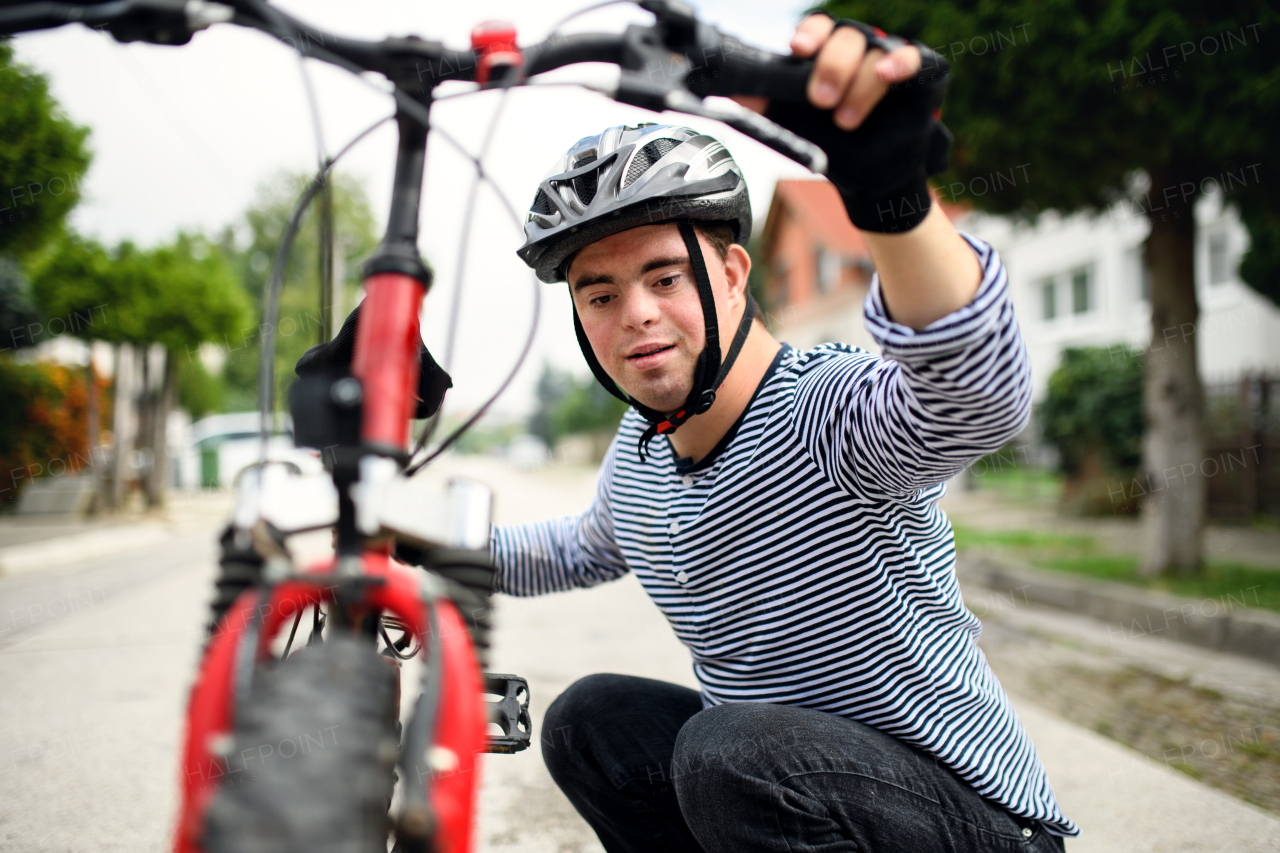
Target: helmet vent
<point>585,186</point>
<point>542,205</point>
<point>646,157</point>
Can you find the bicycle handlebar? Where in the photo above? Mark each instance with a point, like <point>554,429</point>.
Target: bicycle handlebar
<point>670,65</point>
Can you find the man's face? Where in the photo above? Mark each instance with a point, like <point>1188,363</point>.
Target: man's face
<point>638,302</point>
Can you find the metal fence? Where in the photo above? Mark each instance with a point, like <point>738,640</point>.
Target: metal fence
<point>1242,447</point>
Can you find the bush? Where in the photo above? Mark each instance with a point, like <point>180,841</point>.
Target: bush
<point>1093,415</point>
<point>42,424</point>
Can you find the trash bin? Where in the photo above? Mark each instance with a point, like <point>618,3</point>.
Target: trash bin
<point>209,467</point>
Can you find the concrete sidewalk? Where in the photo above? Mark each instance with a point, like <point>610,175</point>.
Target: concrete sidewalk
<point>31,543</point>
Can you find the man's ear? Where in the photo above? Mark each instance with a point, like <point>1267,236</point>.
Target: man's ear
<point>737,269</point>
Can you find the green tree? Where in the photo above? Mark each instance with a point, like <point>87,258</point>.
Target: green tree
<point>1260,266</point>
<point>176,296</point>
<point>19,319</point>
<point>588,407</point>
<point>199,391</point>
<point>1149,102</point>
<point>43,156</point>
<point>567,405</point>
<point>553,386</point>
<point>78,278</point>
<point>300,323</point>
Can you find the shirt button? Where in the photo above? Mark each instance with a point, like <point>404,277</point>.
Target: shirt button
<point>687,480</point>
<point>682,576</point>
<point>674,528</point>
<point>1026,832</point>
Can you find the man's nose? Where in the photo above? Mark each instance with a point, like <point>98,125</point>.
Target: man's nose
<point>639,309</point>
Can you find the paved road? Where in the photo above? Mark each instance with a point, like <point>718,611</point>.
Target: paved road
<point>96,658</point>
<point>95,662</point>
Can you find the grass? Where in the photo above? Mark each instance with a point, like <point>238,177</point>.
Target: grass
<point>1230,584</point>
<point>967,537</point>
<point>1018,482</point>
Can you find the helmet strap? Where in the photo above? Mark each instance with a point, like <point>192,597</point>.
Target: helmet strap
<point>705,383</point>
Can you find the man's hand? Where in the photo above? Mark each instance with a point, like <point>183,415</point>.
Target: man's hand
<point>846,76</point>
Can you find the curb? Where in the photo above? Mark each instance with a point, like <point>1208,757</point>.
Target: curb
<point>1225,623</point>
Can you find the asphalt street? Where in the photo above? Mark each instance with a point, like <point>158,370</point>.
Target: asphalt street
<point>96,658</point>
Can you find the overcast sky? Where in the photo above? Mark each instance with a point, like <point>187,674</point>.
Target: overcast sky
<point>183,136</point>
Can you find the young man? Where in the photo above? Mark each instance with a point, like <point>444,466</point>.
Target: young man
<point>780,506</point>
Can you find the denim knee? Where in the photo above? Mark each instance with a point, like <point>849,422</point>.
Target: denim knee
<point>569,715</point>
<point>721,744</point>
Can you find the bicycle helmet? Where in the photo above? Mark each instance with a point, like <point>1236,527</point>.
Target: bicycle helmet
<point>626,177</point>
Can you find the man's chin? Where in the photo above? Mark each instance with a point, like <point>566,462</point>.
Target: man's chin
<point>660,400</point>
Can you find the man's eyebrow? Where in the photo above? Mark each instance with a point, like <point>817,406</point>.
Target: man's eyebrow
<point>649,266</point>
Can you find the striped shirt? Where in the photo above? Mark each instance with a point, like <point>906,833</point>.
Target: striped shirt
<point>805,560</point>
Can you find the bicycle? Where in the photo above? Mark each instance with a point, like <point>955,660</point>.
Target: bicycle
<point>340,798</point>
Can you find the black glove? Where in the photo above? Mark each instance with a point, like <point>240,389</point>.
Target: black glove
<point>880,168</point>
<point>335,357</point>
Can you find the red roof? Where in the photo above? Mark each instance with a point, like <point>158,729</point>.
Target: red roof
<point>817,204</point>
<point>818,207</point>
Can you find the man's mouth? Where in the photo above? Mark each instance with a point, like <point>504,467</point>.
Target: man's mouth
<point>648,351</point>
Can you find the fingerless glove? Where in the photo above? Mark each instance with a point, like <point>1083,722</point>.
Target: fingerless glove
<point>881,167</point>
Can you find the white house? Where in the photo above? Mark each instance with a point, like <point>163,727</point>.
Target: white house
<point>1079,281</point>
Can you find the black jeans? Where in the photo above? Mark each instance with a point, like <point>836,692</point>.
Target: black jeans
<point>651,771</point>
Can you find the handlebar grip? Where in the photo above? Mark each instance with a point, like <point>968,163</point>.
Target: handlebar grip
<point>730,67</point>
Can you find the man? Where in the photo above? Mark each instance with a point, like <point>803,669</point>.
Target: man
<point>780,506</point>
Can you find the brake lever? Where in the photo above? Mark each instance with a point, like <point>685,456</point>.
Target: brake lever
<point>752,124</point>
<point>642,91</point>
<point>656,70</point>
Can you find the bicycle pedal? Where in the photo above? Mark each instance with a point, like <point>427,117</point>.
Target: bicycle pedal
<point>510,713</point>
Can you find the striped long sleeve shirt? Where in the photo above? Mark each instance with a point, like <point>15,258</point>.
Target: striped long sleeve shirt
<point>805,560</point>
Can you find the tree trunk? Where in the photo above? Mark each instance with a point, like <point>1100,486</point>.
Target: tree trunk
<point>121,425</point>
<point>92,418</point>
<point>158,477</point>
<point>1173,447</point>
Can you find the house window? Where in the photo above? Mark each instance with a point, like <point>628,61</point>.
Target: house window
<point>1081,291</point>
<point>1219,258</point>
<point>829,266</point>
<point>1048,299</point>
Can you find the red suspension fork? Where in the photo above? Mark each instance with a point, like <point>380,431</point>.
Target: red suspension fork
<point>459,736</point>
